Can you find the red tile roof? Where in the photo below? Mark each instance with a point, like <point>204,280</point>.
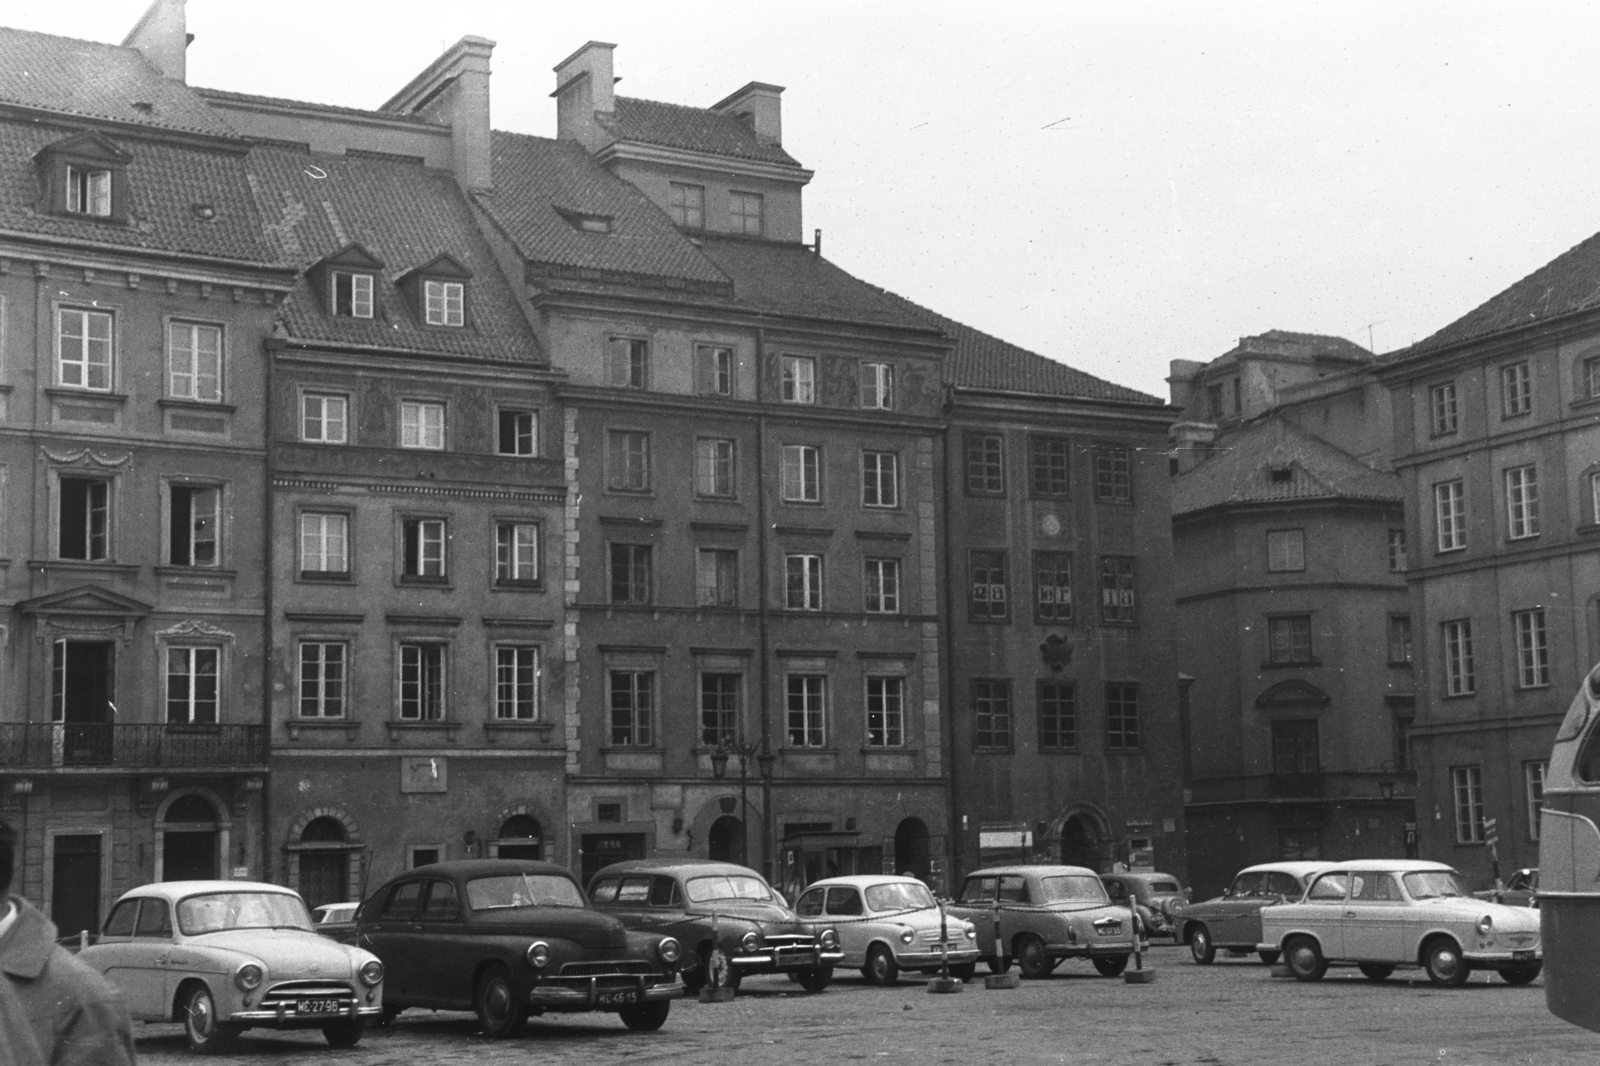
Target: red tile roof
<point>1241,471</point>
<point>696,129</point>
<point>787,278</point>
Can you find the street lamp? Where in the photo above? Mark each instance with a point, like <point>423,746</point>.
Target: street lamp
<point>719,767</point>
<point>1386,789</point>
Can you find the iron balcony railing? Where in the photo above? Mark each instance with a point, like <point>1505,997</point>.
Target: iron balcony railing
<point>113,744</point>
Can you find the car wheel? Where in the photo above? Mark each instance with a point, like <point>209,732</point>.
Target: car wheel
<point>646,1017</point>
<point>346,1032</point>
<point>1001,965</point>
<point>881,969</point>
<point>1032,958</point>
<point>694,980</point>
<point>734,979</point>
<point>500,1012</point>
<point>816,978</point>
<point>1444,963</point>
<point>1201,946</point>
<point>1110,965</point>
<point>1375,971</point>
<point>964,971</point>
<point>1305,959</point>
<point>206,1035</point>
<point>1268,957</point>
<point>1520,975</point>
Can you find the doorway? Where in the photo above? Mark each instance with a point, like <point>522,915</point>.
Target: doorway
<point>189,840</point>
<point>1082,843</point>
<point>83,687</point>
<point>75,884</point>
<point>521,837</point>
<point>911,849</point>
<point>325,871</point>
<point>725,842</point>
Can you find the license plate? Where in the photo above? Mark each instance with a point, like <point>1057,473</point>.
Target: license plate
<point>1109,930</point>
<point>1522,956</point>
<point>617,999</point>
<point>316,1006</point>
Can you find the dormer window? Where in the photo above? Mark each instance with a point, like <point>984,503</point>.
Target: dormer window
<point>89,191</point>
<point>437,292</point>
<point>84,175</point>
<point>446,302</point>
<point>351,294</point>
<point>585,221</point>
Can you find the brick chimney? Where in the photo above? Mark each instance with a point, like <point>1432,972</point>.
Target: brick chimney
<point>454,90</point>
<point>1181,380</point>
<point>584,86</point>
<point>760,105</point>
<point>162,35</point>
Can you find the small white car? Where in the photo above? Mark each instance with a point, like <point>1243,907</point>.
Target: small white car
<point>1384,913</point>
<point>224,956</point>
<point>887,924</point>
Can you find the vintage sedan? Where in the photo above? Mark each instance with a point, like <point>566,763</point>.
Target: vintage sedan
<point>1380,914</point>
<point>510,938</point>
<point>1521,890</point>
<point>224,956</point>
<point>336,921</point>
<point>756,932</point>
<point>887,924</point>
<point>1045,914</point>
<point>1232,921</point>
<point>1155,896</point>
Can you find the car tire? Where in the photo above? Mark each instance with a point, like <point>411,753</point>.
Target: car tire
<point>1110,965</point>
<point>500,1012</point>
<point>1443,960</point>
<point>346,1032</point>
<point>696,979</point>
<point>881,969</point>
<point>1376,971</point>
<point>735,979</point>
<point>1268,957</point>
<point>646,1017</point>
<point>1305,959</point>
<point>1001,965</point>
<point>1201,946</point>
<point>964,971</point>
<point>1521,975</point>
<point>206,1035</point>
<point>816,978</point>
<point>1032,958</point>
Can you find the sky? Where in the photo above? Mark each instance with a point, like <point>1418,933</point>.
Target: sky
<point>1114,185</point>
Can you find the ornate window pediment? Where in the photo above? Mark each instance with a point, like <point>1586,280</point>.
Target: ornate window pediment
<point>1292,693</point>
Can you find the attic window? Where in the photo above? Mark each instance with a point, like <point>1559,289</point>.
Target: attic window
<point>444,302</point>
<point>586,222</point>
<point>88,191</point>
<point>352,294</point>
<point>1281,473</point>
<point>84,175</point>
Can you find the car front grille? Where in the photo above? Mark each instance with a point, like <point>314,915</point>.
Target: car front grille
<point>287,992</point>
<point>605,969</point>
<point>931,939</point>
<point>604,976</point>
<point>791,945</point>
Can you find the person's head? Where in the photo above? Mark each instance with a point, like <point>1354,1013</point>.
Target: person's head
<point>8,855</point>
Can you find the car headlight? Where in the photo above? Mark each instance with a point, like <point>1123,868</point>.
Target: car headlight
<point>907,936</point>
<point>750,943</point>
<point>829,940</point>
<point>669,950</point>
<point>1485,925</point>
<point>972,932</point>
<point>248,977</point>
<point>372,973</point>
<point>539,954</point>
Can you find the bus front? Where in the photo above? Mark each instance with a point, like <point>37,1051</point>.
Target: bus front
<point>1569,863</point>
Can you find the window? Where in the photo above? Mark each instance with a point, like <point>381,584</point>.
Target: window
<point>716,577</point>
<point>800,478</point>
<point>519,433</point>
<point>1533,774</point>
<point>991,714</point>
<point>422,682</point>
<point>1467,785</point>
<point>713,467</point>
<point>628,363</point>
<point>719,708</point>
<point>194,361</point>
<point>423,554</point>
<point>88,191</point>
<point>989,602</point>
<point>1401,724</point>
<point>627,461</point>
<point>1286,550</point>
<point>632,702</point>
<point>194,524</point>
<point>1516,390</point>
<point>1047,462</point>
<point>1591,377</point>
<point>1533,649</point>
<point>1399,639</point>
<point>744,212</point>
<point>1113,474</point>
<point>880,479</point>
<point>1058,716</point>
<point>192,685</point>
<point>882,584</point>
<point>985,464</point>
<point>85,519</point>
<point>1397,551</point>
<point>1522,502</point>
<point>1116,589</point>
<point>1122,716</point>
<point>322,675</point>
<point>83,344</point>
<point>630,573</point>
<point>323,418</point>
<point>1214,400</point>
<point>516,682</point>
<point>799,379</point>
<point>807,710</point>
<point>516,553</point>
<point>713,370</point>
<point>1294,747</point>
<point>444,302</point>
<point>352,294</point>
<point>324,544</point>
<point>1442,401</point>
<point>1052,599</point>
<point>1450,511</point>
<point>1458,678</point>
<point>1238,399</point>
<point>802,586</point>
<point>687,205</point>
<point>1594,498</point>
<point>877,386</point>
<point>421,425</point>
<point>1289,639</point>
<point>886,714</point>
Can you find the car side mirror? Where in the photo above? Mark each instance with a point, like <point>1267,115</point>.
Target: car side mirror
<point>1227,892</point>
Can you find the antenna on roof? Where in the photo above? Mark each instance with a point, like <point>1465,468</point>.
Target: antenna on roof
<point>816,247</point>
<point>1370,348</point>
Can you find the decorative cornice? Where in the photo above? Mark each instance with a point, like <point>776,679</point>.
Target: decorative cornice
<point>109,460</point>
<point>194,628</point>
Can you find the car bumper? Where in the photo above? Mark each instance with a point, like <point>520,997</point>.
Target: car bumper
<point>1504,958</point>
<point>795,960</point>
<point>284,1018</point>
<point>911,959</point>
<point>1081,950</point>
<point>593,997</point>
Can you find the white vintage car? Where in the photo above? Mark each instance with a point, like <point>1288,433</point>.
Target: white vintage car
<point>1384,913</point>
<point>887,924</point>
<point>223,956</point>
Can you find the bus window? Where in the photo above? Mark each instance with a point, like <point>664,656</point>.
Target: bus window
<point>1589,759</point>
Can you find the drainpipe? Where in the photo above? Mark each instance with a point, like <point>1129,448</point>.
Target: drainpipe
<point>763,642</point>
<point>274,345</point>
<point>957,832</point>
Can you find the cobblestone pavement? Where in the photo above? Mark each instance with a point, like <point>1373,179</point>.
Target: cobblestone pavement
<point>1230,1014</point>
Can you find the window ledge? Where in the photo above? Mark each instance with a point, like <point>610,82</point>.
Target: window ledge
<point>413,581</point>
<point>517,586</point>
<point>1586,401</point>
<point>194,728</point>
<point>322,725</point>
<point>1588,529</point>
<point>625,749</point>
<point>398,727</point>
<point>67,392</point>
<point>1059,751</point>
<point>326,577</point>
<point>516,725</point>
<point>1291,665</point>
<point>91,566</point>
<point>888,751</point>
<point>195,571</point>
<point>196,405</point>
<point>993,751</point>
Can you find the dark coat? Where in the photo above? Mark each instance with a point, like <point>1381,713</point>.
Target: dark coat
<point>54,1009</point>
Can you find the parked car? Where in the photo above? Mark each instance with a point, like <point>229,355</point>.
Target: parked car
<point>1402,912</point>
<point>756,932</point>
<point>1522,889</point>
<point>510,938</point>
<point>887,924</point>
<point>1046,914</point>
<point>336,921</point>
<point>1155,895</point>
<point>224,956</point>
<point>1232,921</point>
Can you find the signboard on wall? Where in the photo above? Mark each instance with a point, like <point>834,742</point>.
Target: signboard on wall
<point>428,773</point>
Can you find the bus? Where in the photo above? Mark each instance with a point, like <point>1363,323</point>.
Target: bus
<point>1569,863</point>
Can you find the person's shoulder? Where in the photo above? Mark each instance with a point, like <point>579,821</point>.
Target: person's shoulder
<point>71,978</point>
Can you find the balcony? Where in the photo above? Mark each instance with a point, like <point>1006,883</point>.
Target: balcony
<point>114,746</point>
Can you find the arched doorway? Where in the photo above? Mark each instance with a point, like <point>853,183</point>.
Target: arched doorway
<point>911,849</point>
<point>324,869</point>
<point>521,837</point>
<point>726,840</point>
<point>1082,843</point>
<point>190,831</point>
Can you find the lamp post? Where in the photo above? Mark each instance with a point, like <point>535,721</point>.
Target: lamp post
<point>719,767</point>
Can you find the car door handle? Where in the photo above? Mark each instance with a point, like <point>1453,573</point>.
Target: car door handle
<point>1349,914</point>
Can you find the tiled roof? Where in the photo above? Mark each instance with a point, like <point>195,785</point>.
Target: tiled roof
<point>786,278</point>
<point>98,81</point>
<point>406,216</point>
<point>304,105</point>
<point>1309,346</point>
<point>695,129</point>
<point>1240,471</point>
<point>165,182</point>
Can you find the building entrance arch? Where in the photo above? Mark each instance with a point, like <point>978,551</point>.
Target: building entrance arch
<point>725,842</point>
<point>1082,839</point>
<point>192,837</point>
<point>911,849</point>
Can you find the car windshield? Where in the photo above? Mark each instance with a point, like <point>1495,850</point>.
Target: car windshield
<point>727,886</point>
<point>1062,887</point>
<point>1436,884</point>
<point>1169,887</point>
<point>901,895</point>
<point>522,890</point>
<point>217,911</point>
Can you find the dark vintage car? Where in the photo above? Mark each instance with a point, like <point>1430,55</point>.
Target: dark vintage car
<point>1522,889</point>
<point>1232,921</point>
<point>1045,914</point>
<point>510,938</point>
<point>756,932</point>
<point>1156,897</point>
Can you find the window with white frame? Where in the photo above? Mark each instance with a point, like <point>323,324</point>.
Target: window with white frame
<point>713,370</point>
<point>719,708</point>
<point>423,550</point>
<point>631,573</point>
<point>194,361</point>
<point>1058,715</point>
<point>421,425</point>
<point>991,713</point>
<point>882,585</point>
<point>877,386</point>
<point>989,600</point>
<point>1516,389</point>
<point>1397,551</point>
<point>687,204</point>
<point>1122,716</point>
<point>1533,649</point>
<point>716,577</point>
<point>1116,589</point>
<point>516,553</point>
<point>799,379</point>
<point>1594,497</point>
<point>516,682</point>
<point>632,708</point>
<point>194,525</point>
<point>1459,679</point>
<point>444,302</point>
<point>83,519</point>
<point>324,417</point>
<point>1286,549</point>
<point>1533,775</point>
<point>1289,639</point>
<point>713,467</point>
<point>627,460</point>
<point>807,710</point>
<point>323,666</point>
<point>1522,502</point>
<point>518,432</point>
<point>192,685</point>
<point>351,294</point>
<point>802,582</point>
<point>886,714</point>
<point>88,191</point>
<point>1052,591</point>
<point>83,349</point>
<point>1450,514</point>
<point>1399,640</point>
<point>880,479</point>
<point>1591,377</point>
<point>628,363</point>
<point>1050,466</point>
<point>800,476</point>
<point>1442,403</point>
<point>1113,474</point>
<point>1467,786</point>
<point>422,681</point>
<point>744,212</point>
<point>324,544</point>
<point>985,464</point>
